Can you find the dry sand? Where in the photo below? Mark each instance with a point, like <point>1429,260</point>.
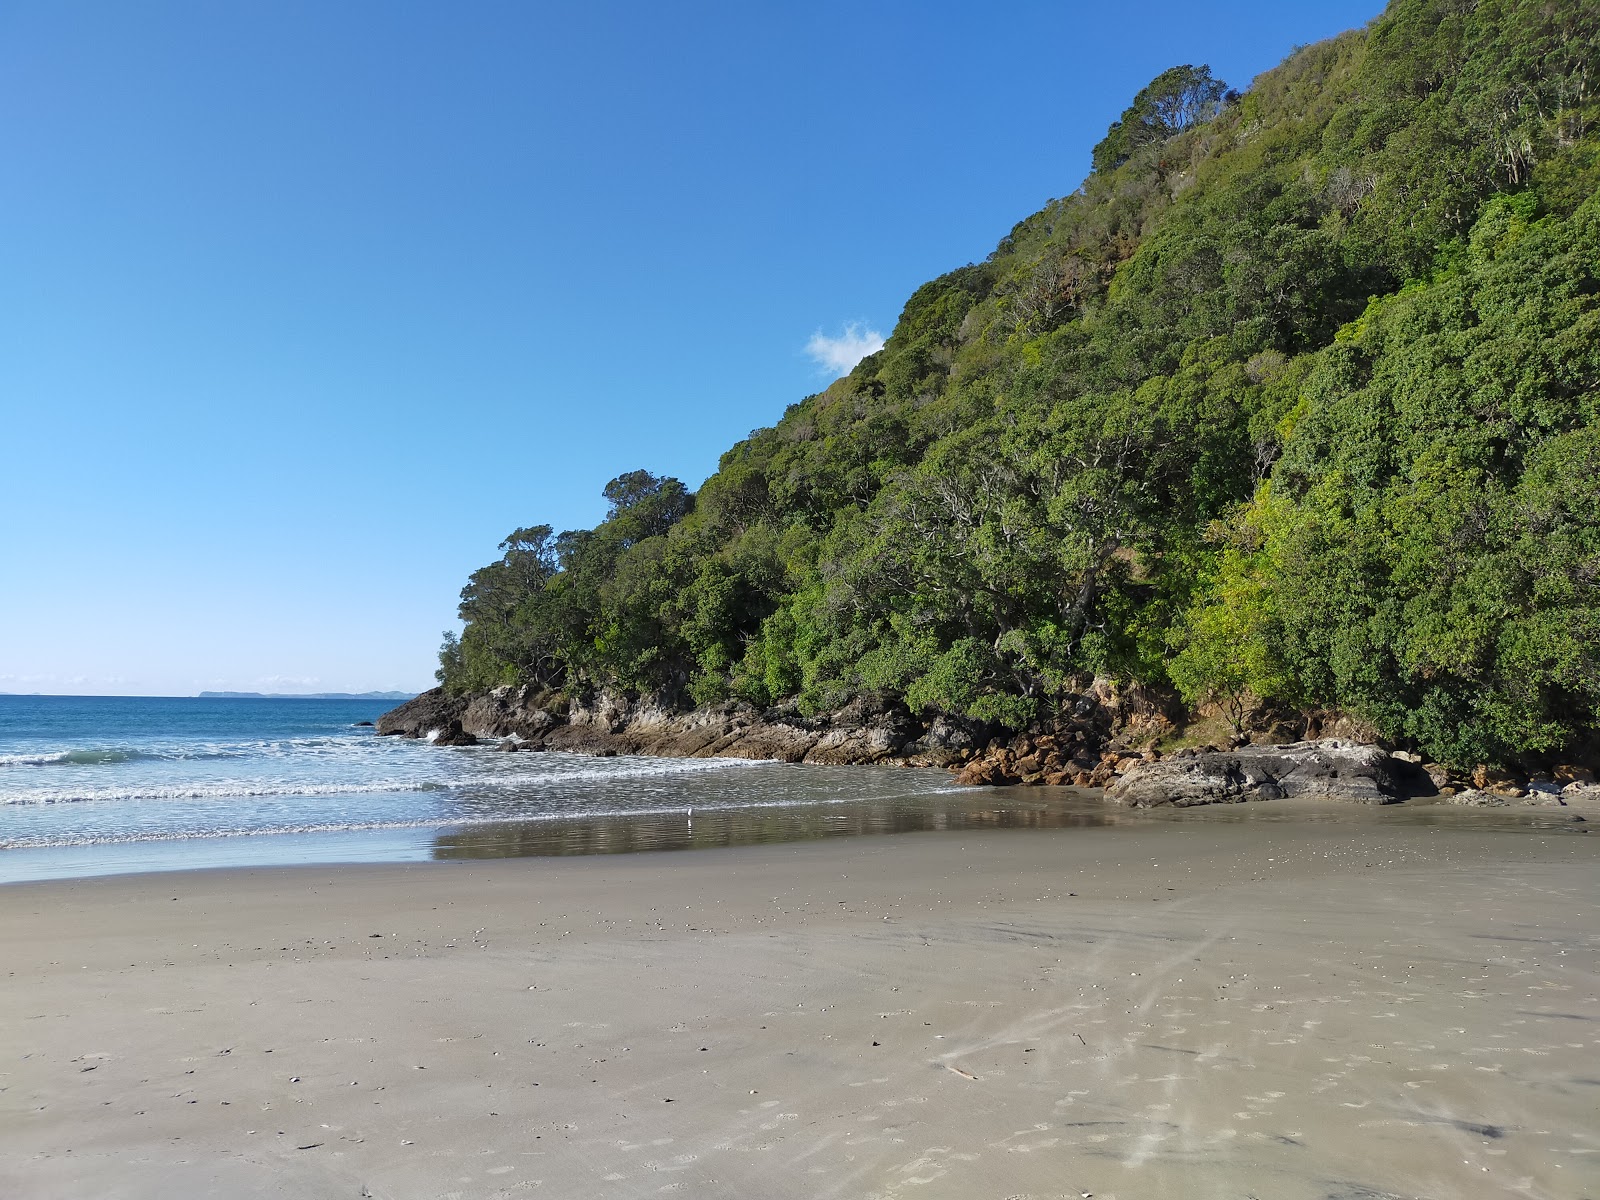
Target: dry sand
<point>1182,1009</point>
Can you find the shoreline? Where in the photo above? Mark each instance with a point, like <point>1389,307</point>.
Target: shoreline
<point>606,833</point>
<point>1153,1008</point>
<point>1112,744</point>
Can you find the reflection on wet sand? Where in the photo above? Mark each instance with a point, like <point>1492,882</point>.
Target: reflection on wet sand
<point>711,828</point>
<point>991,808</point>
<point>1270,1000</point>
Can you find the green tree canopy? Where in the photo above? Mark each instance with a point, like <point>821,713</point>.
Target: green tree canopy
<point>1294,401</point>
<point>1174,101</point>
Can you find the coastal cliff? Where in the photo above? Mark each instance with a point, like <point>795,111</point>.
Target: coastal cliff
<point>1103,728</point>
<point>1293,406</point>
<point>1110,743</point>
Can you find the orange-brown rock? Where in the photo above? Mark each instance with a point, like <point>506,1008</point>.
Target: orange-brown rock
<point>1487,777</point>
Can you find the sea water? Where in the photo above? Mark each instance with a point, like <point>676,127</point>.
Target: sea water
<point>90,785</point>
<point>102,785</point>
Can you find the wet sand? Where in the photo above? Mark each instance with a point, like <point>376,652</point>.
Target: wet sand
<point>1200,1008</point>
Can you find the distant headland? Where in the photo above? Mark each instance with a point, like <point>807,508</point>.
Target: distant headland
<point>306,695</point>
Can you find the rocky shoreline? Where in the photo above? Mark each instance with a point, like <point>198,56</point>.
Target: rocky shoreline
<point>1108,744</point>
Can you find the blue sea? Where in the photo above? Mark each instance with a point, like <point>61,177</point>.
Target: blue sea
<point>94,785</point>
<point>108,785</point>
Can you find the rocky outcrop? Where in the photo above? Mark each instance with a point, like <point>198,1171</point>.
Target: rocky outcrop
<point>454,735</point>
<point>1087,747</point>
<point>1574,795</point>
<point>1102,741</point>
<point>1330,768</point>
<point>422,715</point>
<point>864,731</point>
<point>1075,757</point>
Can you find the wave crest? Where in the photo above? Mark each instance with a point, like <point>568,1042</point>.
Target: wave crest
<point>570,769</point>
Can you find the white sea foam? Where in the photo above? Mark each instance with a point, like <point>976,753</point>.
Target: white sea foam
<point>582,770</point>
<point>91,756</point>
<point>106,773</point>
<point>440,822</point>
<point>88,757</point>
<point>228,789</point>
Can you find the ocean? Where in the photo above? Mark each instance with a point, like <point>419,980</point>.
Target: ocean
<point>97,785</point>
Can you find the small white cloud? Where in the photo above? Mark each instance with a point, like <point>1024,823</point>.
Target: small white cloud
<point>836,355</point>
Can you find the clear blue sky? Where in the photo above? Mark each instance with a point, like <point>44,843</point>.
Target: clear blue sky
<point>304,306</point>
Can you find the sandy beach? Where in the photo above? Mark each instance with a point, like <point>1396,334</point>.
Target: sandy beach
<point>1200,1008</point>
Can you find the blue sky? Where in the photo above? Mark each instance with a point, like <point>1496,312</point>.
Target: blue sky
<point>304,306</point>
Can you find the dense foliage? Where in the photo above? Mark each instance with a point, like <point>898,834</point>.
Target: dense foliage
<point>1295,401</point>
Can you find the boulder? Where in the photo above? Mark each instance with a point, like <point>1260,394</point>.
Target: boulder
<point>1495,779</point>
<point>605,709</point>
<point>453,735</point>
<point>1477,798</point>
<point>507,712</point>
<point>869,729</point>
<point>421,715</point>
<point>986,772</point>
<point>866,730</point>
<point>1332,768</point>
<point>947,740</point>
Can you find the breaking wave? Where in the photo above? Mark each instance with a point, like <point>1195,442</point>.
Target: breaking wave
<point>581,771</point>
<point>97,756</point>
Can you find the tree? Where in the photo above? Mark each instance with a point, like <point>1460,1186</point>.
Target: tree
<point>644,505</point>
<point>1226,642</point>
<point>1177,99</point>
<point>1359,304</point>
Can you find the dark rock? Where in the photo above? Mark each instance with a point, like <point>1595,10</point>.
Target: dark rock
<point>421,715</point>
<point>985,773</point>
<point>1332,768</point>
<point>870,729</point>
<point>1105,771</point>
<point>508,712</point>
<point>947,740</point>
<point>1414,777</point>
<point>453,735</point>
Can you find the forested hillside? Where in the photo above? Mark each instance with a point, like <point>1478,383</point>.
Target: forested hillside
<point>1292,404</point>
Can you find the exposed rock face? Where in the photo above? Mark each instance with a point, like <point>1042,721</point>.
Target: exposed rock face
<point>421,715</point>
<point>1332,768</point>
<point>1475,798</point>
<point>862,732</point>
<point>947,742</point>
<point>1092,747</point>
<point>453,735</point>
<point>1537,795</point>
